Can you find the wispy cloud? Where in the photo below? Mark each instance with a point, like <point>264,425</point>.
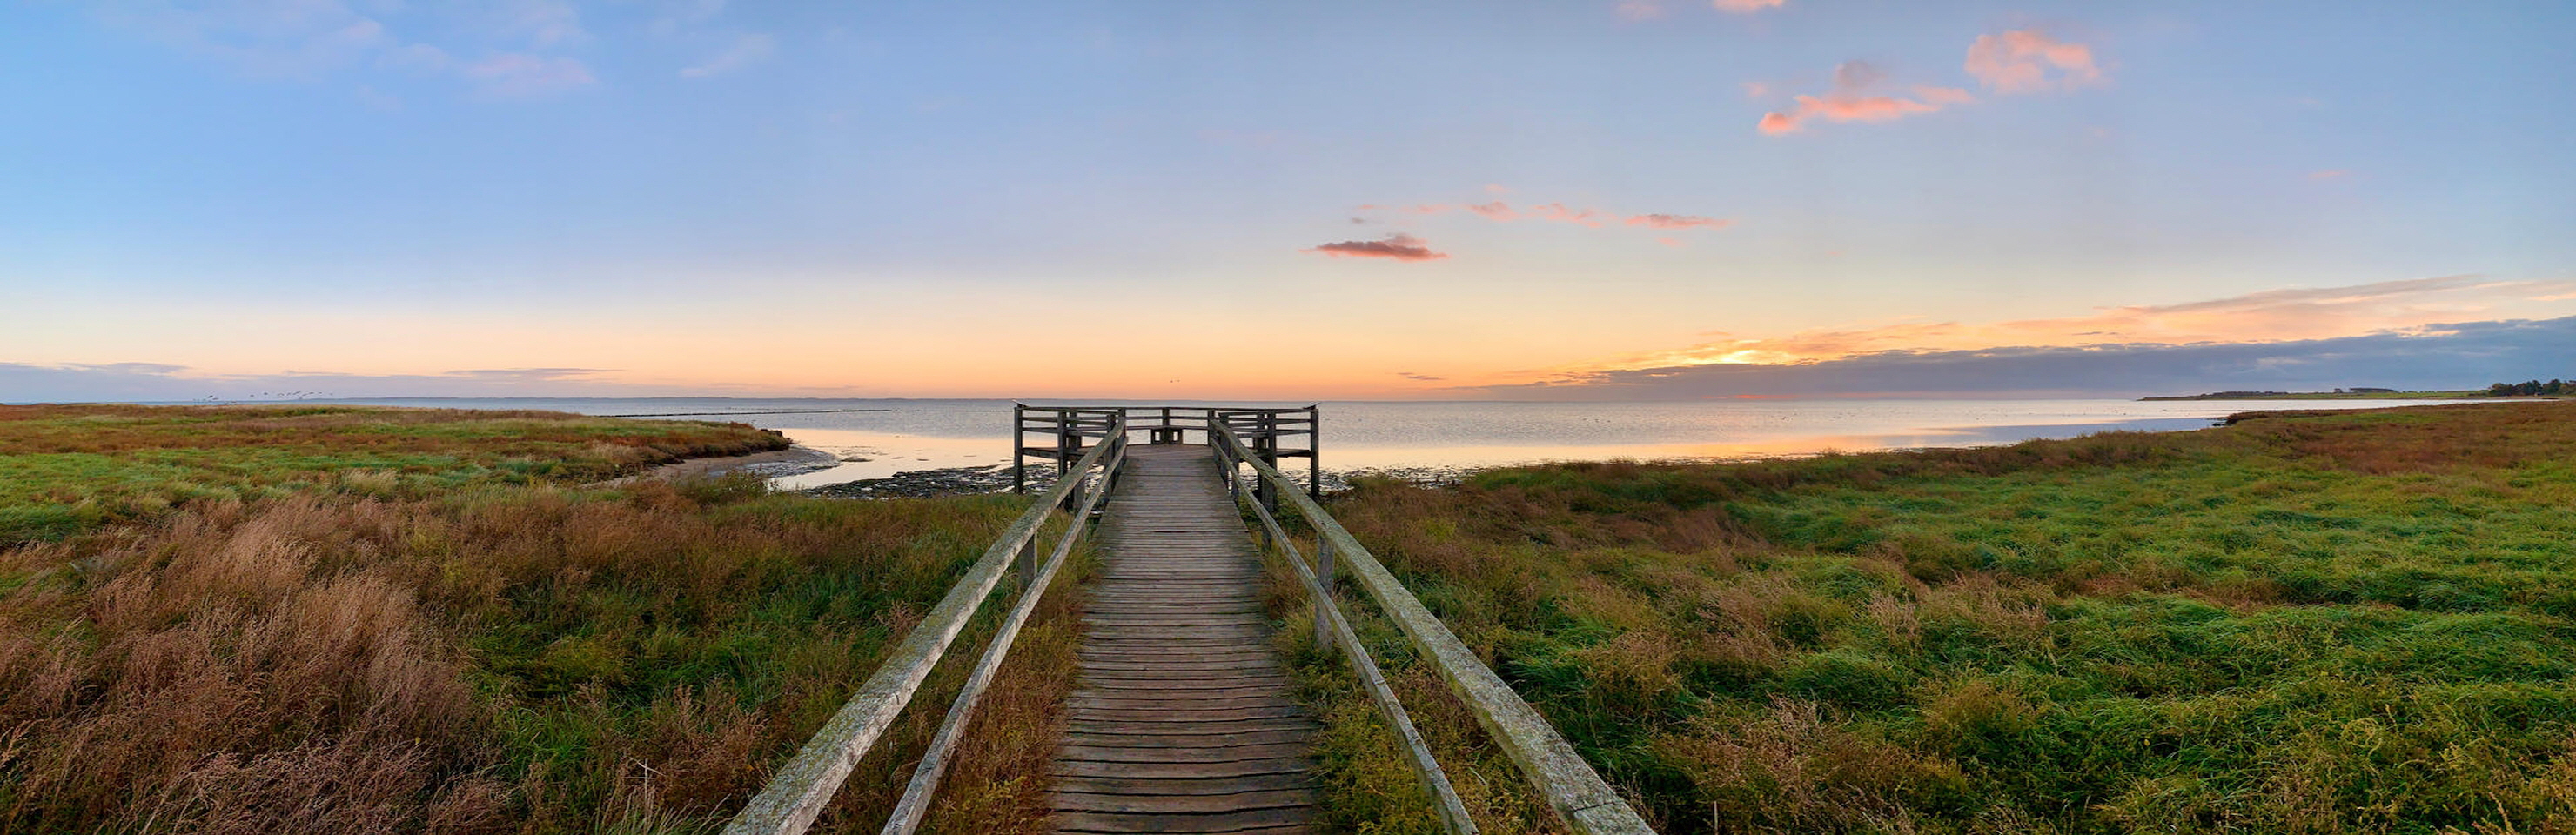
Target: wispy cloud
<point>1501,211</point>
<point>1636,10</point>
<point>1662,221</point>
<point>530,373</point>
<point>2329,174</point>
<point>146,381</point>
<point>1855,98</point>
<point>744,51</point>
<point>2440,356</point>
<point>1633,10</point>
<point>1399,247</point>
<point>2269,316</point>
<point>541,23</point>
<point>1419,378</point>
<point>2029,61</point>
<point>309,39</point>
<point>520,75</point>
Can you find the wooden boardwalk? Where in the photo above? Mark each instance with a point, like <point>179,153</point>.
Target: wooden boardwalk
<point>1180,719</point>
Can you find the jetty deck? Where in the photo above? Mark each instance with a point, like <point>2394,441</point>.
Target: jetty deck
<point>1181,719</point>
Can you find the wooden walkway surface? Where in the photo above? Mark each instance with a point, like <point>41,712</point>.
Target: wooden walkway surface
<point>1180,719</point>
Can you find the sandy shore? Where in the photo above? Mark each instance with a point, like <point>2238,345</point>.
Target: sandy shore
<point>775,462</point>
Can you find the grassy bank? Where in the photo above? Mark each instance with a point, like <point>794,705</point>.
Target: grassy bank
<point>2329,395</point>
<point>2325,622</point>
<point>70,468</point>
<point>361,620</point>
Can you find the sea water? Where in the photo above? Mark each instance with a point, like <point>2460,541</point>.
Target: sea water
<point>876,438</point>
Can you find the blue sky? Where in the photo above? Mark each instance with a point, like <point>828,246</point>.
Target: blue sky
<point>933,199</point>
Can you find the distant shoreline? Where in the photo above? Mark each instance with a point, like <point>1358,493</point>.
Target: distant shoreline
<point>2336,395</point>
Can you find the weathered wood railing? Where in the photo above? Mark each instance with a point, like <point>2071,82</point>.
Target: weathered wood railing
<point>1068,430</point>
<point>1571,787</point>
<point>801,788</point>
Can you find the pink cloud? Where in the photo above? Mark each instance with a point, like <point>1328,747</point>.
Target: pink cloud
<point>1664,221</point>
<point>1559,213</point>
<point>1399,247</point>
<point>2029,61</point>
<point>2329,174</point>
<point>1500,211</point>
<point>1636,10</point>
<point>1853,100</point>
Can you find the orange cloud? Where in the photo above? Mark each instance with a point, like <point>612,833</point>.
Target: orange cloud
<point>2029,61</point>
<point>1852,100</point>
<point>1399,246</point>
<point>2268,316</point>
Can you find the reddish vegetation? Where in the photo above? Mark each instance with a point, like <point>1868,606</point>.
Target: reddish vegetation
<point>373,657</point>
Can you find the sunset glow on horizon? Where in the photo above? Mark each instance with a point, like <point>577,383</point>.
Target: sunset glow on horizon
<point>1638,199</point>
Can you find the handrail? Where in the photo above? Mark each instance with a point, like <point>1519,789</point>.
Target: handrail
<point>1066,431</point>
<point>1332,629</point>
<point>799,790</point>
<point>934,762</point>
<point>1546,760</point>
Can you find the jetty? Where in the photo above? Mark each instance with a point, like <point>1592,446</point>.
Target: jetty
<point>1182,717</point>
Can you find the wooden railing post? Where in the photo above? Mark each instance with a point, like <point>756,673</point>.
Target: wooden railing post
<point>1324,592</point>
<point>1585,802</point>
<point>1315,451</point>
<point>1019,463</point>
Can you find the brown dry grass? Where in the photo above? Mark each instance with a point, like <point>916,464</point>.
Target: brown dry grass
<point>502,659</point>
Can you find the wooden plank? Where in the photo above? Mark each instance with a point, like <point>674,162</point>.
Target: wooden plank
<point>1302,766</point>
<point>1184,803</point>
<point>1208,822</point>
<point>1181,718</point>
<point>1081,712</point>
<point>1235,739</point>
<point>1179,754</point>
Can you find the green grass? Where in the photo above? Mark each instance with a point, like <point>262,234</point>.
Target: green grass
<point>364,620</point>
<point>2321,622</point>
<point>65,469</point>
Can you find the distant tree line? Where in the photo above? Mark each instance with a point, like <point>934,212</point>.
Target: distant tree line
<point>2532,388</point>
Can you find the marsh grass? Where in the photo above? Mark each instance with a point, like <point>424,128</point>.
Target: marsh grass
<point>65,469</point>
<point>2353,622</point>
<point>354,651</point>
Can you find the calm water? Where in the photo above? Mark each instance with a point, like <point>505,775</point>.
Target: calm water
<point>899,435</point>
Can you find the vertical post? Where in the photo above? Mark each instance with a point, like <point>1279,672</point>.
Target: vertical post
<point>1064,444</point>
<point>1263,489</point>
<point>1324,590</point>
<point>1019,465</point>
<point>1315,452</point>
<point>1028,561</point>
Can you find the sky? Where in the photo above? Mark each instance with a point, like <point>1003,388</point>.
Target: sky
<point>1624,199</point>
